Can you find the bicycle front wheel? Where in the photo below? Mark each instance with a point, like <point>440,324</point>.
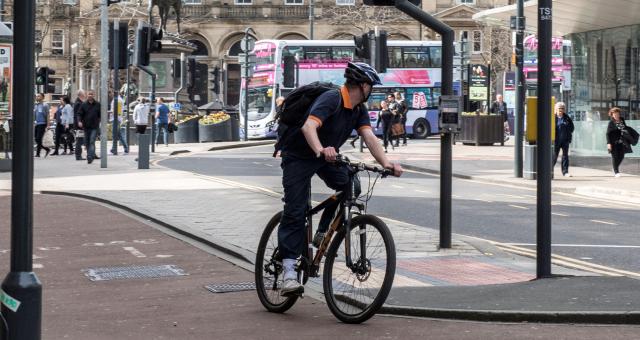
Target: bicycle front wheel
<point>269,271</point>
<point>354,294</point>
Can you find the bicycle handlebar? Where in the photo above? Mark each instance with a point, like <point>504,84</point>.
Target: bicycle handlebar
<point>361,166</point>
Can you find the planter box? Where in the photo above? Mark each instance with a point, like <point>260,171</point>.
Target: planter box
<point>187,132</point>
<point>481,130</point>
<point>220,132</point>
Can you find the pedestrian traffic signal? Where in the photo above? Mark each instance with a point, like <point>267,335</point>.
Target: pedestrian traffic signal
<point>40,75</point>
<point>155,46</point>
<point>215,80</point>
<point>123,41</point>
<point>289,71</point>
<point>382,54</point>
<point>363,46</point>
<point>141,55</point>
<point>43,79</point>
<point>191,73</point>
<point>176,67</point>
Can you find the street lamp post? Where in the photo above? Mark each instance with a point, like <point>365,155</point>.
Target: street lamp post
<point>21,293</point>
<point>246,81</point>
<point>520,90</point>
<point>311,18</point>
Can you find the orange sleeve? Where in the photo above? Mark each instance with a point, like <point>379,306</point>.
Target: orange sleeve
<point>316,119</point>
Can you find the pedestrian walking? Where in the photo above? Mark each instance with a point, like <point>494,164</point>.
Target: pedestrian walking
<point>141,115</point>
<point>385,116</point>
<point>564,133</point>
<point>78,131</point>
<point>66,121</point>
<point>616,144</point>
<point>121,134</point>
<point>41,114</point>
<point>402,109</point>
<point>162,122</point>
<point>59,128</point>
<point>500,107</point>
<point>90,122</point>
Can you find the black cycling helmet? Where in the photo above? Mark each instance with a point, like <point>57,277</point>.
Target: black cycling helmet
<point>362,73</point>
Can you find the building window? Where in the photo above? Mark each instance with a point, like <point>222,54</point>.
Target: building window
<point>346,2</point>
<point>477,41</point>
<point>243,2</point>
<point>70,2</point>
<point>293,2</point>
<point>57,42</point>
<point>467,2</point>
<point>192,2</point>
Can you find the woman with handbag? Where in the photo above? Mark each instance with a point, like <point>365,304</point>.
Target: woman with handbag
<point>616,144</point>
<point>386,117</point>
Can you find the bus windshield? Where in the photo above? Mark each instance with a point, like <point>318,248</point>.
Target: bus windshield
<point>259,102</point>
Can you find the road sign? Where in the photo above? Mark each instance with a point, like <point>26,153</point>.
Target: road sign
<point>243,44</point>
<point>176,106</point>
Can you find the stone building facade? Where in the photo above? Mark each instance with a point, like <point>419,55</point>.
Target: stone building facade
<point>68,31</point>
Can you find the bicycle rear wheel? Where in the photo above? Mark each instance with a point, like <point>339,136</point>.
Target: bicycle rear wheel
<point>355,295</point>
<point>269,271</point>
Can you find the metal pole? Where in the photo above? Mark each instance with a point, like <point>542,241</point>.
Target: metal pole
<point>104,74</point>
<point>544,140</point>
<point>21,289</point>
<point>519,109</point>
<point>152,111</point>
<point>447,89</point>
<point>126,94</point>
<point>183,59</point>
<point>246,83</point>
<point>311,18</point>
<point>116,84</point>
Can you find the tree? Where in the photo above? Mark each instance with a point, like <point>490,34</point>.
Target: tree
<point>364,18</point>
<point>498,51</point>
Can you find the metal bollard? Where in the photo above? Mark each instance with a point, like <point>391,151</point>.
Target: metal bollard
<point>143,150</point>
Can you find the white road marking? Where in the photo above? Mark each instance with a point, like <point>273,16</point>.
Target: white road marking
<point>575,245</point>
<point>603,222</point>
<point>135,252</point>
<point>38,266</point>
<point>518,207</point>
<point>396,186</point>
<point>481,200</point>
<point>48,248</point>
<point>560,214</point>
<point>423,191</point>
<point>513,196</point>
<point>163,256</point>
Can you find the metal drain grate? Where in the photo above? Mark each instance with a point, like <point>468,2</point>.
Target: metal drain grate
<point>133,272</point>
<point>231,287</point>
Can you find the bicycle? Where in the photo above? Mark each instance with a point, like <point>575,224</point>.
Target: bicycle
<point>353,290</point>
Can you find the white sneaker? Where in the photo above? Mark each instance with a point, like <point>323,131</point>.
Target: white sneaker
<point>617,175</point>
<point>567,175</point>
<point>291,287</point>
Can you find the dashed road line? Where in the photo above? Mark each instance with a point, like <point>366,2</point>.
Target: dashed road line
<point>135,252</point>
<point>576,245</point>
<point>559,214</point>
<point>603,222</point>
<point>518,207</point>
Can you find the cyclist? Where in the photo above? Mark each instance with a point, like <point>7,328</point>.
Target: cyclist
<point>332,117</point>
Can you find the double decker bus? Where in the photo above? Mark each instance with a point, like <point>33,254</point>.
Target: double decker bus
<point>414,71</point>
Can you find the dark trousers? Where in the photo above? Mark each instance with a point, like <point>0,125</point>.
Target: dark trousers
<point>90,136</point>
<point>79,144</point>
<point>404,127</point>
<point>39,133</point>
<point>386,133</point>
<point>296,180</point>
<point>565,156</point>
<point>141,129</point>
<point>59,137</point>
<point>617,155</point>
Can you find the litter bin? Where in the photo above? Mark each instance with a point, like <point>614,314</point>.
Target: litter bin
<point>187,132</point>
<point>220,132</point>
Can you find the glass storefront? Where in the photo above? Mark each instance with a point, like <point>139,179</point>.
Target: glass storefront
<point>605,73</point>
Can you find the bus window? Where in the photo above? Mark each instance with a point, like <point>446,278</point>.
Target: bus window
<point>343,53</point>
<point>295,51</point>
<point>317,53</point>
<point>417,57</point>
<point>435,52</point>
<point>395,57</point>
<point>374,100</point>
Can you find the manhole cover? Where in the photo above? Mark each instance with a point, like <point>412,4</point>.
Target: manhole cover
<point>133,272</point>
<point>231,287</point>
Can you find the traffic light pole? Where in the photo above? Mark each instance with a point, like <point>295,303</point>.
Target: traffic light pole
<point>116,84</point>
<point>246,82</point>
<point>447,89</point>
<point>152,104</point>
<point>520,90</point>
<point>126,94</point>
<point>21,294</point>
<point>543,213</point>
<point>104,74</point>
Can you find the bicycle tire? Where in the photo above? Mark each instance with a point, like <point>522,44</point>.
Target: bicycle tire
<point>337,301</point>
<point>270,298</point>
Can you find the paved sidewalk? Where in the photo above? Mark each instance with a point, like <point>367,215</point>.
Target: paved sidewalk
<point>69,239</point>
<point>495,164</point>
<point>230,216</point>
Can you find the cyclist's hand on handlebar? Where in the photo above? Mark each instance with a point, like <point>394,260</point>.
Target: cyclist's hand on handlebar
<point>329,154</point>
<point>395,168</point>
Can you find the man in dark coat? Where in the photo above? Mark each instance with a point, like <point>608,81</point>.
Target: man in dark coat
<point>90,122</point>
<point>564,132</point>
<point>500,107</point>
<point>76,119</point>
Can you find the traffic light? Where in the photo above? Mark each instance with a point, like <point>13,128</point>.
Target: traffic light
<point>382,53</point>
<point>123,41</point>
<point>191,73</point>
<point>109,2</point>
<point>43,78</point>
<point>289,71</point>
<point>40,75</point>
<point>155,46</point>
<point>215,80</point>
<point>363,46</point>
<point>141,55</point>
<point>176,67</point>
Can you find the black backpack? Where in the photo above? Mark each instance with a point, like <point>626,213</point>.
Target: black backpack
<point>295,110</point>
